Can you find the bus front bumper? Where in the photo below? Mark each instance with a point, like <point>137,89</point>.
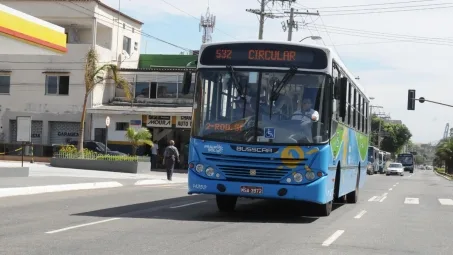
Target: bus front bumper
<point>315,192</point>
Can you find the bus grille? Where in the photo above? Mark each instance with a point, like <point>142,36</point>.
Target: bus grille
<point>250,169</point>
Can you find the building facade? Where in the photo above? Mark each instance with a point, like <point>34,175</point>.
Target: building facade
<point>158,104</point>
<point>51,89</point>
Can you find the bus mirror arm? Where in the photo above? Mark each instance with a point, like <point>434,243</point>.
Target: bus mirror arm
<point>187,78</point>
<point>343,90</point>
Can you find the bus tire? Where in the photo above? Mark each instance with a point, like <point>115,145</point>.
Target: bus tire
<point>353,197</point>
<point>336,190</point>
<point>226,203</point>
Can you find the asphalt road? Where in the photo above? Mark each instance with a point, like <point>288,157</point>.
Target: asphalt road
<point>395,215</point>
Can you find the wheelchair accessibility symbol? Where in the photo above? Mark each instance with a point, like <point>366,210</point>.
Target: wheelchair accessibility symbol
<point>269,133</point>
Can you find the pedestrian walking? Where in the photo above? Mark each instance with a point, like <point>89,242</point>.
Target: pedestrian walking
<point>171,155</point>
<point>154,153</point>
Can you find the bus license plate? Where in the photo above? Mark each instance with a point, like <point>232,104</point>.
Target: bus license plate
<point>252,190</point>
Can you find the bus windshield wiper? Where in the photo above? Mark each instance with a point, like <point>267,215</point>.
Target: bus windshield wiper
<point>278,86</point>
<point>238,88</point>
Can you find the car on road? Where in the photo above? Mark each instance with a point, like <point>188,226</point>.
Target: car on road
<point>395,168</point>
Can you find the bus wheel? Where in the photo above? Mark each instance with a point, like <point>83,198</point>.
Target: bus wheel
<point>226,203</point>
<point>353,197</point>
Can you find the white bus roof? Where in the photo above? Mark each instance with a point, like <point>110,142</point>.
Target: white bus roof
<point>330,51</point>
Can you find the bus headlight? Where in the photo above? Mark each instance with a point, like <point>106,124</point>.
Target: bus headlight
<point>310,175</point>
<point>199,168</point>
<point>210,171</point>
<point>298,177</point>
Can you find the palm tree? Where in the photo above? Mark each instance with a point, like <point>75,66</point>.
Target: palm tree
<point>444,151</point>
<point>95,75</point>
<point>138,138</point>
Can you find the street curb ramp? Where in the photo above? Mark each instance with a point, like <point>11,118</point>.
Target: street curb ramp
<point>22,191</point>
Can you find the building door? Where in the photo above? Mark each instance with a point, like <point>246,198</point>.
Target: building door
<point>36,131</point>
<point>99,135</point>
<point>63,132</point>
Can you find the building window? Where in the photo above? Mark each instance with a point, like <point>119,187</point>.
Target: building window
<point>5,84</point>
<point>57,85</point>
<point>127,44</point>
<point>122,126</point>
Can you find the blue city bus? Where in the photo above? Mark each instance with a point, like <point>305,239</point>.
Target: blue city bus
<point>276,120</point>
<point>407,160</point>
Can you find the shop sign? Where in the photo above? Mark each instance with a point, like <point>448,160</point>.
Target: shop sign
<point>159,121</point>
<point>183,121</point>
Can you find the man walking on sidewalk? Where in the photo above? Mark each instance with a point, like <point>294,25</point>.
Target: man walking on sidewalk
<point>154,150</point>
<point>171,155</point>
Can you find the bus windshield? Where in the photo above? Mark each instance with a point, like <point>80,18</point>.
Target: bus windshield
<point>405,160</point>
<point>228,102</point>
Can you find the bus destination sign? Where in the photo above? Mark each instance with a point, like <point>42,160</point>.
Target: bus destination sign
<point>262,54</point>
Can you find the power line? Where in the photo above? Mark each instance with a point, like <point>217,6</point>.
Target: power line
<point>389,8</point>
<point>390,11</point>
<point>377,35</point>
<point>365,5</point>
<point>400,36</point>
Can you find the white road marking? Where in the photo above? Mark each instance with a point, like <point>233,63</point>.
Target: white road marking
<point>82,225</point>
<point>332,238</point>
<point>157,182</point>
<point>385,194</point>
<point>445,201</point>
<point>372,199</point>
<point>22,191</point>
<point>397,183</point>
<point>391,189</point>
<point>382,199</point>
<point>394,185</point>
<point>358,216</point>
<point>194,203</point>
<point>410,200</point>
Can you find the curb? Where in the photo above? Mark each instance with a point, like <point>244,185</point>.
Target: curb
<point>21,191</point>
<point>156,182</point>
<point>443,176</point>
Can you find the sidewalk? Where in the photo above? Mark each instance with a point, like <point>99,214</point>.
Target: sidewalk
<point>44,178</point>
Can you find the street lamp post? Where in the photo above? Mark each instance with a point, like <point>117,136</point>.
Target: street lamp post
<point>313,37</point>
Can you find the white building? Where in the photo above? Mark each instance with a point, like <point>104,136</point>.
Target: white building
<point>51,88</point>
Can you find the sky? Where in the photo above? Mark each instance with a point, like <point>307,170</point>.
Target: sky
<point>392,46</point>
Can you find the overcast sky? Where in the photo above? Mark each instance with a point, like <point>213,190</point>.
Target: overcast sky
<point>396,49</point>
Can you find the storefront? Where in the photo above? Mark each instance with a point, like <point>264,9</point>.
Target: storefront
<point>168,127</point>
<point>63,132</point>
<point>36,131</point>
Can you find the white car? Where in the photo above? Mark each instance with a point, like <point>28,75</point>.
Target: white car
<point>395,168</point>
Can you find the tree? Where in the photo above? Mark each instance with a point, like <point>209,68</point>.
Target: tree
<point>138,138</point>
<point>444,152</point>
<point>396,135</point>
<point>95,75</point>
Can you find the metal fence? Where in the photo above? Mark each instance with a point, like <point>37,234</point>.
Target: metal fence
<point>99,156</point>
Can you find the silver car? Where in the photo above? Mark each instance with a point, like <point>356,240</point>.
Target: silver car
<point>395,168</point>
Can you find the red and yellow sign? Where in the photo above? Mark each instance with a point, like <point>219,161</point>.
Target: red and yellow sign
<point>31,30</point>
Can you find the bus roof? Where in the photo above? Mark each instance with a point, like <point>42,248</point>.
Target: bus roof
<point>330,51</point>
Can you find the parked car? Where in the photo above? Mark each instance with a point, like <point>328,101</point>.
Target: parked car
<point>395,168</point>
<point>97,147</point>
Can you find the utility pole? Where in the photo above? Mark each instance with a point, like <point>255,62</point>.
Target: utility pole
<point>291,24</point>
<point>263,15</point>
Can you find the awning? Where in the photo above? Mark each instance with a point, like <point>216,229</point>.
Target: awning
<point>22,34</point>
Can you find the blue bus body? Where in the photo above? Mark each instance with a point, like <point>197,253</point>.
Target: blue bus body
<point>272,169</point>
<point>247,139</point>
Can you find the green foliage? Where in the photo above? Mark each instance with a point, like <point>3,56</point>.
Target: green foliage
<point>444,153</point>
<point>396,135</point>
<point>138,138</point>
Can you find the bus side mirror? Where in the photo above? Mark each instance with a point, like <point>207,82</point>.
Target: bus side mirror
<point>343,90</point>
<point>187,82</point>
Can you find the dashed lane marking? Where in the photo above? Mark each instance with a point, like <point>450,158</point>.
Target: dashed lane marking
<point>411,200</point>
<point>332,238</point>
<point>358,216</point>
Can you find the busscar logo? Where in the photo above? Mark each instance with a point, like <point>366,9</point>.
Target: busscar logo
<point>253,149</point>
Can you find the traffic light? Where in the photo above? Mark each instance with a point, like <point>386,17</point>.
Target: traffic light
<point>411,100</point>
